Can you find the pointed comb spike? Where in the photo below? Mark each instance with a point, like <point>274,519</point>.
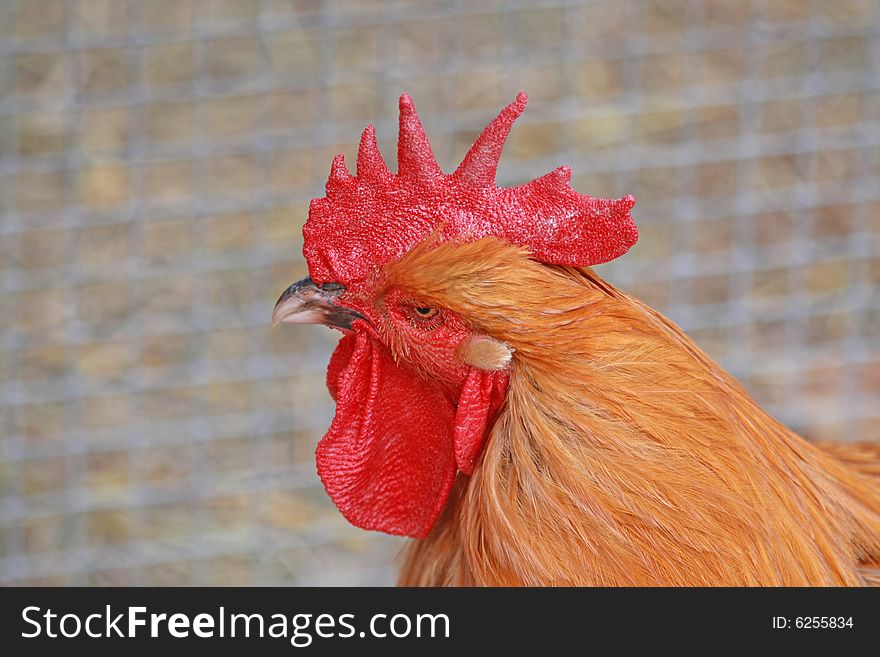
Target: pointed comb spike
<point>339,175</point>
<point>627,203</point>
<point>563,173</point>
<point>338,171</point>
<point>559,180</point>
<point>414,155</point>
<point>370,165</point>
<point>479,166</point>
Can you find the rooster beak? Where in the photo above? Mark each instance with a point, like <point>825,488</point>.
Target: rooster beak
<point>306,302</point>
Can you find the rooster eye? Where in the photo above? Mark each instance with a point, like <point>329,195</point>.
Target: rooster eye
<point>419,314</point>
<point>424,317</point>
<point>426,313</point>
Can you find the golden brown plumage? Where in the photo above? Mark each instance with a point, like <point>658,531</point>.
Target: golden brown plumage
<point>623,454</point>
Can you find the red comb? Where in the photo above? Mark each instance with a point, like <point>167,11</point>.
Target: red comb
<point>375,217</point>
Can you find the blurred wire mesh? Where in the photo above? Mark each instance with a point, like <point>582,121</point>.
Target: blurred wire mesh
<point>156,161</point>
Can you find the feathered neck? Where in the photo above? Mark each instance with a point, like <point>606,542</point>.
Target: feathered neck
<point>626,456</point>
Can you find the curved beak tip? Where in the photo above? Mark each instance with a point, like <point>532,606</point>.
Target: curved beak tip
<point>304,302</point>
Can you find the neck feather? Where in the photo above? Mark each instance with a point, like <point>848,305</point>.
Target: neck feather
<point>626,456</point>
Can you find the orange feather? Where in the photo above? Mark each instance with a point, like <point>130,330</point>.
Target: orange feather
<point>624,455</point>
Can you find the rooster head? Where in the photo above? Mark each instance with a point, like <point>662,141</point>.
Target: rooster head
<point>400,264</point>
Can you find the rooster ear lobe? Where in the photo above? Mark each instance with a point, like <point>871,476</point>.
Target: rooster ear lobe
<point>485,353</point>
<point>482,396</point>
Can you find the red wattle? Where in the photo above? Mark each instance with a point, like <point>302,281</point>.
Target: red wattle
<point>481,397</point>
<point>387,461</point>
<point>392,451</point>
<point>338,362</point>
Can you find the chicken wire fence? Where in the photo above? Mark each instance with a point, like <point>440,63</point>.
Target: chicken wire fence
<point>156,161</point>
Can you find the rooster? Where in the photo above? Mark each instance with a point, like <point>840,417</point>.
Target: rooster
<point>527,422</point>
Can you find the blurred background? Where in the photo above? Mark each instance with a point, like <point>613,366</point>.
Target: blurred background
<point>156,163</point>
